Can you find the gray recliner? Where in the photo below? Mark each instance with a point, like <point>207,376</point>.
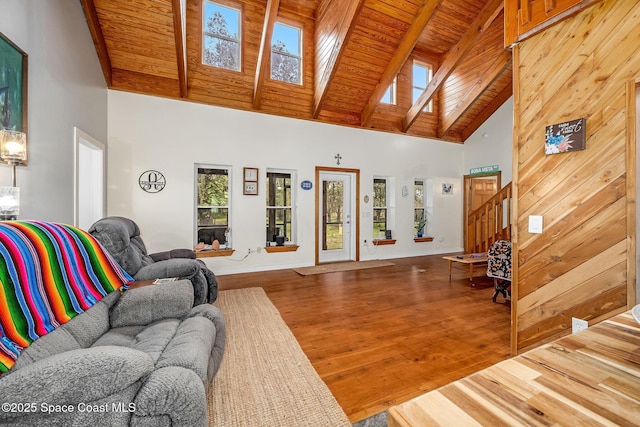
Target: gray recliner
<point>121,238</point>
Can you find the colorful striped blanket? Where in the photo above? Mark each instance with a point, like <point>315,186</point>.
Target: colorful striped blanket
<point>49,273</point>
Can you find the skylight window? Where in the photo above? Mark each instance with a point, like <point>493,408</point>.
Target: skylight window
<point>286,53</point>
<point>221,36</point>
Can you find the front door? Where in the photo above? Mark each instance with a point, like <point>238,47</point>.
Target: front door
<point>477,190</point>
<point>336,207</point>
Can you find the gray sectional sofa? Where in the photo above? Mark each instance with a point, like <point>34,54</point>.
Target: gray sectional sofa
<point>144,357</point>
<point>121,238</point>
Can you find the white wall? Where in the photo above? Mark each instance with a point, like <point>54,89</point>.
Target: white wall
<point>170,136</point>
<point>66,88</point>
<point>492,144</point>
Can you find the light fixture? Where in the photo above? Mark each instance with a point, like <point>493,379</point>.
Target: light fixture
<point>13,149</point>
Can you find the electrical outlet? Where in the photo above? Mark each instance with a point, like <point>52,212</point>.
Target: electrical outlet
<point>578,325</point>
<point>249,251</point>
<point>365,242</point>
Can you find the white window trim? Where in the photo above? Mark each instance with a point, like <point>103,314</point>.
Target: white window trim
<point>294,188</point>
<point>429,107</point>
<point>205,33</point>
<point>427,203</point>
<point>229,170</point>
<point>388,202</point>
<point>300,43</point>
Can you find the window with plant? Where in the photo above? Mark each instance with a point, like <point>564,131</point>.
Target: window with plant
<point>280,215</point>
<point>221,36</point>
<point>379,207</point>
<point>419,213</point>
<point>212,205</point>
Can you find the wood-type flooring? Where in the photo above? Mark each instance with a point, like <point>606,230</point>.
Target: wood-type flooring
<point>381,336</point>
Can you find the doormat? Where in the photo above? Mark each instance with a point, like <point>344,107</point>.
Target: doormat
<point>341,266</point>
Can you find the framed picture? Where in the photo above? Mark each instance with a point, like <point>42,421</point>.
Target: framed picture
<point>250,188</point>
<point>250,181</point>
<point>251,174</point>
<point>565,137</point>
<point>13,86</point>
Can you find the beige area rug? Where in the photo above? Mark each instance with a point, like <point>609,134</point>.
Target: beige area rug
<point>265,378</point>
<point>341,266</point>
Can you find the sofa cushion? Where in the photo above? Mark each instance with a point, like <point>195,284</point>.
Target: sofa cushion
<point>148,304</point>
<point>151,339</point>
<point>121,238</point>
<point>80,332</point>
<point>191,347</point>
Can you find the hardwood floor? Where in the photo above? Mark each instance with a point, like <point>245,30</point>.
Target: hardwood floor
<point>381,336</point>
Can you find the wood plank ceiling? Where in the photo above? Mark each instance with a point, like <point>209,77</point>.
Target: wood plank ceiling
<point>352,51</point>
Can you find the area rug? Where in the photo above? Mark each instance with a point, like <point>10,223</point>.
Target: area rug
<point>265,379</point>
<point>341,266</point>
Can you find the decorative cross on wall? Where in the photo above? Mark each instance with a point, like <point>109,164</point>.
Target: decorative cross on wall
<point>338,157</point>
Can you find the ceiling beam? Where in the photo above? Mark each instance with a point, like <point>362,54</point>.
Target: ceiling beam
<point>498,66</point>
<point>93,21</point>
<point>262,67</point>
<point>340,34</point>
<point>400,57</point>
<point>178,8</point>
<point>484,19</point>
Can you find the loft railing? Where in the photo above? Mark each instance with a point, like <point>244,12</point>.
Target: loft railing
<point>490,222</point>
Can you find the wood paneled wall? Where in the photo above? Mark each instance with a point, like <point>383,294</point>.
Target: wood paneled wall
<point>582,265</point>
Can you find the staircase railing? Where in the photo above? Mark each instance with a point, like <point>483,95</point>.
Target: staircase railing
<point>490,222</point>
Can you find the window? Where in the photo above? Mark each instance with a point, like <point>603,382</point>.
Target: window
<point>286,54</point>
<point>421,77</point>
<point>422,205</point>
<point>418,207</point>
<point>221,33</point>
<point>280,221</point>
<point>379,207</point>
<point>389,96</point>
<point>212,205</point>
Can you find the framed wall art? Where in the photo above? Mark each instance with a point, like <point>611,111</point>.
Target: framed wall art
<point>13,86</point>
<point>565,137</point>
<point>250,188</point>
<point>250,181</point>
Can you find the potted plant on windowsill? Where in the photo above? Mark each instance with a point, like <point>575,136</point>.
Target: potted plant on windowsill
<point>420,227</point>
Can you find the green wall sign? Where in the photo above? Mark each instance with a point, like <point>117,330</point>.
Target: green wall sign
<point>484,169</point>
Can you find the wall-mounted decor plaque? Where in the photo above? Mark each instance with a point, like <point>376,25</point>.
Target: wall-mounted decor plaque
<point>565,137</point>
<point>152,181</point>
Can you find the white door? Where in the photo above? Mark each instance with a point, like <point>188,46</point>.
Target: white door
<point>336,204</point>
<point>89,177</point>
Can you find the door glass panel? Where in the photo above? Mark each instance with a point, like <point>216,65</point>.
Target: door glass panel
<point>333,215</point>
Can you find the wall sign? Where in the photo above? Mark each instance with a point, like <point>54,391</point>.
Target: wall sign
<point>484,169</point>
<point>306,185</point>
<point>152,181</point>
<point>565,137</point>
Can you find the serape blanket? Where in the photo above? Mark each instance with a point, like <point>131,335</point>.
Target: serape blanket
<point>49,273</point>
